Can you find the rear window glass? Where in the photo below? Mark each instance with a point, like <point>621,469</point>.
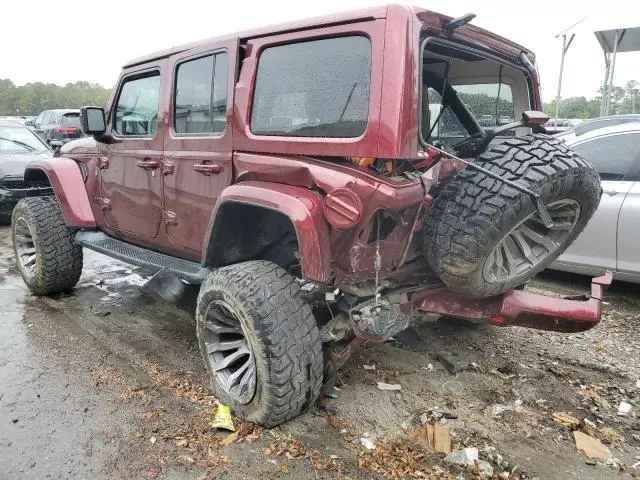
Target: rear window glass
<point>490,103</point>
<point>313,89</point>
<point>70,119</point>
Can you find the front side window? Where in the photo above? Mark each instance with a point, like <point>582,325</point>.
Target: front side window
<point>318,88</point>
<point>612,156</point>
<point>200,104</point>
<point>136,112</point>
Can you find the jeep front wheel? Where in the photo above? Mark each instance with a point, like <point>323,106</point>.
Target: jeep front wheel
<point>260,342</point>
<point>47,257</point>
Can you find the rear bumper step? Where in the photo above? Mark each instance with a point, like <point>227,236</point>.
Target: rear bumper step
<point>188,271</point>
<point>520,308</point>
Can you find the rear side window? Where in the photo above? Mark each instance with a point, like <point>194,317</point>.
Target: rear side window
<point>200,97</point>
<point>612,156</point>
<point>318,88</point>
<point>137,107</point>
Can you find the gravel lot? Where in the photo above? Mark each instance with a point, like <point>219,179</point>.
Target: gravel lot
<point>107,382</point>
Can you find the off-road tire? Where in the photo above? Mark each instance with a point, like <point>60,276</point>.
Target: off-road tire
<point>472,212</point>
<point>282,332</point>
<point>58,263</point>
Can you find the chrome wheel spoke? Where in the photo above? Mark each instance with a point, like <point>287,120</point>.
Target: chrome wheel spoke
<point>229,360</point>
<point>29,261</point>
<point>22,238</point>
<point>223,346</point>
<point>499,261</point>
<point>522,244</point>
<point>536,237</point>
<point>228,352</point>
<point>218,329</point>
<point>25,248</point>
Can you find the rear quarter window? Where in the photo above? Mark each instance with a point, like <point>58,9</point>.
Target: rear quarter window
<point>317,88</point>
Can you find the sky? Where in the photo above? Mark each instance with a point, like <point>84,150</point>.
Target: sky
<point>60,42</point>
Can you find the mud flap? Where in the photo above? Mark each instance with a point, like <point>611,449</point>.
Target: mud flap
<point>166,285</point>
<point>377,321</point>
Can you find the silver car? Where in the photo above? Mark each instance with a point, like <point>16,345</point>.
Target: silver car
<point>611,239</point>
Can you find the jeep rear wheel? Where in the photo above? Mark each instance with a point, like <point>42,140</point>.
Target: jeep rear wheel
<point>260,342</point>
<point>47,257</point>
<point>483,237</point>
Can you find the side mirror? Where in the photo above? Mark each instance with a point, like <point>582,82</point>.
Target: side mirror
<point>29,123</point>
<point>92,119</point>
<point>55,144</point>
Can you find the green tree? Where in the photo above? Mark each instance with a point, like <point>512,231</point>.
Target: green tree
<point>32,98</point>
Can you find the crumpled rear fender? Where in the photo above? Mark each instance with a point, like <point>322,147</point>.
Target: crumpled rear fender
<point>303,207</point>
<point>68,186</point>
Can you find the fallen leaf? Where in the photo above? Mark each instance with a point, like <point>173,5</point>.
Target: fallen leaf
<point>598,399</point>
<point>592,447</point>
<point>153,440</point>
<point>611,435</point>
<point>565,419</point>
<point>284,469</point>
<point>229,438</point>
<point>187,459</point>
<point>182,443</point>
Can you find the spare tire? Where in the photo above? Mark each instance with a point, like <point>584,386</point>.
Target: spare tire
<point>483,237</point>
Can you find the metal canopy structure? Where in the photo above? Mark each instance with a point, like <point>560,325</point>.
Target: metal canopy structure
<point>615,41</point>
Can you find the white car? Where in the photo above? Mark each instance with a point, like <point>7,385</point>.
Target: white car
<point>610,239</point>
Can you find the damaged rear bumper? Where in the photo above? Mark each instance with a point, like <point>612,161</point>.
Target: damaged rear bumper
<point>520,308</point>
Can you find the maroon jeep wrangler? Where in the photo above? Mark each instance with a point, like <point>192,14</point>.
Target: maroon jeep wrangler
<point>325,183</point>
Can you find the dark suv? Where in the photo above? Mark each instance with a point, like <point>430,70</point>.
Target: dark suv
<point>58,126</point>
<point>324,183</point>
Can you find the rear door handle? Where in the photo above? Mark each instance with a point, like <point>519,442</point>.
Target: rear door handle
<point>148,164</point>
<point>207,168</point>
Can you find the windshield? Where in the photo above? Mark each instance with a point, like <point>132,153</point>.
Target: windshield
<point>19,139</point>
<point>70,120</point>
<point>465,93</point>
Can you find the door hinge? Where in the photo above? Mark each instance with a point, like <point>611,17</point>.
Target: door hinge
<point>105,203</point>
<point>170,217</point>
<point>168,168</point>
<point>103,162</point>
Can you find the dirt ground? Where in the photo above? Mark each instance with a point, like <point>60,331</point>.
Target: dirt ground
<point>107,382</point>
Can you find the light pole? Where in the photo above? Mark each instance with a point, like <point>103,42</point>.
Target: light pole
<point>565,46</point>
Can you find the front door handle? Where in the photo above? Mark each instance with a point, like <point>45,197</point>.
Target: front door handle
<point>148,164</point>
<point>611,193</point>
<point>207,168</point>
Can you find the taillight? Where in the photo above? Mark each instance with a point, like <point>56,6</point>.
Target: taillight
<point>66,130</point>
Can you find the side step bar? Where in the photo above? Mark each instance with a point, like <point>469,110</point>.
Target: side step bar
<point>191,272</point>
